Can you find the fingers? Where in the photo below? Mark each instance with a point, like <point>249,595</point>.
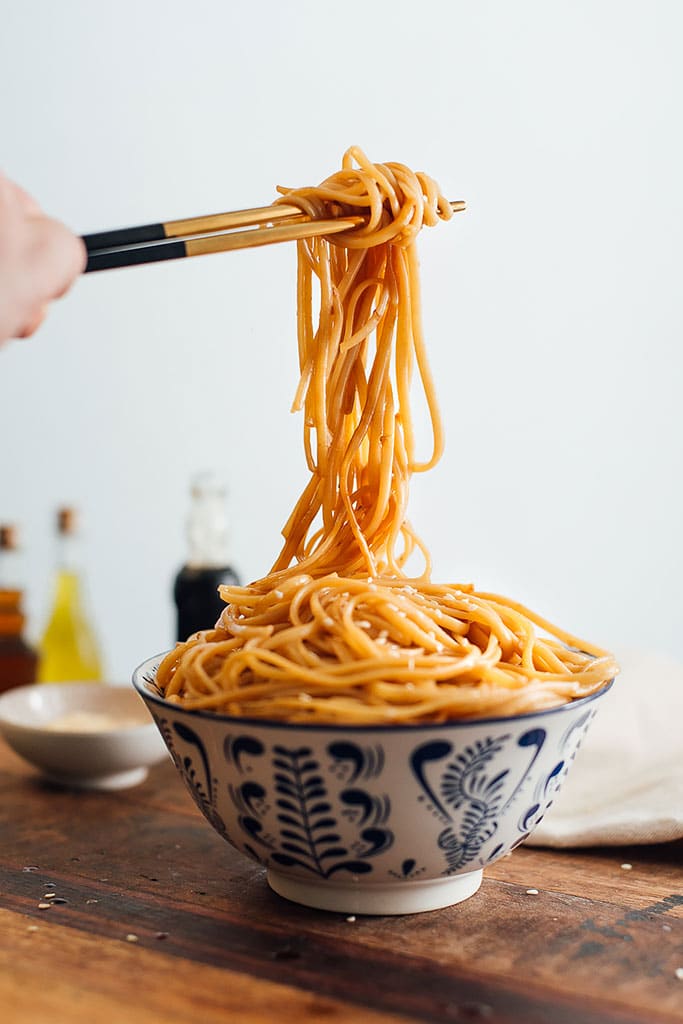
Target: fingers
<point>39,261</point>
<point>52,258</point>
<point>57,255</point>
<point>33,324</point>
<point>26,201</point>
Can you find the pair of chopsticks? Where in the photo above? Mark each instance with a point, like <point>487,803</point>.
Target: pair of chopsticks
<point>217,232</point>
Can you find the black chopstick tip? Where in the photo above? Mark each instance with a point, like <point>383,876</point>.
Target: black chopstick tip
<point>124,236</point>
<point>117,258</point>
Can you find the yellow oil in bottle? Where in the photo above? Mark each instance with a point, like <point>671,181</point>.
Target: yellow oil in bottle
<point>68,650</point>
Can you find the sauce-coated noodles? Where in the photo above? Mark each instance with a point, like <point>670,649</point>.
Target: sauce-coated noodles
<point>337,632</point>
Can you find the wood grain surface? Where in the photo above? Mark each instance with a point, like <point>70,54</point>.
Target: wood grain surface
<point>155,918</point>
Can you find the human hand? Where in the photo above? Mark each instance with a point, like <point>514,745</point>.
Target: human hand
<point>39,260</point>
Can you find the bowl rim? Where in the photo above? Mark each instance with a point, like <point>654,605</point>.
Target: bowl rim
<point>141,683</point>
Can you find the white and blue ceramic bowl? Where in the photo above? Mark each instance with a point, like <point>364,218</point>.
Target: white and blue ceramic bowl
<point>371,819</point>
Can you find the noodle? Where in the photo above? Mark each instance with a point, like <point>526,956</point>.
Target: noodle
<point>338,632</point>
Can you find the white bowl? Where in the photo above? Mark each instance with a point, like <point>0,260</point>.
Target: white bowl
<point>111,758</point>
<point>371,819</point>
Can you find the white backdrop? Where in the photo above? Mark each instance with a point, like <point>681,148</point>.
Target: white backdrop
<point>552,306</point>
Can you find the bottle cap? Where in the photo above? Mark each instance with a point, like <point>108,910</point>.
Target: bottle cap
<point>66,520</point>
<point>207,483</point>
<point>207,527</point>
<point>9,537</point>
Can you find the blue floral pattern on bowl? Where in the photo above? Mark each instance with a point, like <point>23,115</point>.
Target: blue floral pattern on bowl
<point>331,809</point>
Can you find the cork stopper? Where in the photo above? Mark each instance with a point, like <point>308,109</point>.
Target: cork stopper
<point>9,537</point>
<point>66,521</point>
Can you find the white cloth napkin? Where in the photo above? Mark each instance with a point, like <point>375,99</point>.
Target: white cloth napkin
<point>626,785</point>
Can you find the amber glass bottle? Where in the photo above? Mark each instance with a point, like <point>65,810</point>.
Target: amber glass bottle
<point>18,660</point>
<point>68,650</point>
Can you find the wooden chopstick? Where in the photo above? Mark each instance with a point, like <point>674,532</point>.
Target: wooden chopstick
<point>127,247</point>
<point>144,233</point>
<point>177,250</point>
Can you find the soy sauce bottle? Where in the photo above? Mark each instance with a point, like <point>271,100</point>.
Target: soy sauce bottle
<point>195,590</point>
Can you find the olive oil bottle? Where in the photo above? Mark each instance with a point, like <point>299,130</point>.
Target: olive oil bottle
<point>69,649</point>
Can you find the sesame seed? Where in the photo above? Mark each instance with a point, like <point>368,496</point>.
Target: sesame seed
<point>679,973</point>
<point>131,937</point>
<point>49,895</point>
<point>532,892</point>
<point>32,928</point>
<point>626,867</point>
<point>92,901</point>
<point>44,906</point>
<point>351,918</point>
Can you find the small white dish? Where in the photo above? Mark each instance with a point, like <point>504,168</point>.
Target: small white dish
<point>85,735</point>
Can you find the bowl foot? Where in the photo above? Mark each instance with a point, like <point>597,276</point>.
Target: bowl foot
<point>377,898</point>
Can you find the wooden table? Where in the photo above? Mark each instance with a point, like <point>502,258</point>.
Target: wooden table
<point>154,918</point>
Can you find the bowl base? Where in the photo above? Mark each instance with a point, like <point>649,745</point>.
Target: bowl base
<point>379,898</point>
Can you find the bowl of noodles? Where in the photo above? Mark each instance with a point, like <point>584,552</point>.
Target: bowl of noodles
<point>374,819</point>
<point>372,737</point>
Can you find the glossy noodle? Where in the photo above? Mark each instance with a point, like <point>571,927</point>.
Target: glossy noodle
<point>338,632</point>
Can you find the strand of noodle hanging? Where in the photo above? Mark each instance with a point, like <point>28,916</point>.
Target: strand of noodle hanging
<point>337,632</point>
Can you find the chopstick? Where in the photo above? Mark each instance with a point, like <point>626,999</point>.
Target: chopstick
<point>108,259</point>
<point>126,247</point>
<point>190,226</point>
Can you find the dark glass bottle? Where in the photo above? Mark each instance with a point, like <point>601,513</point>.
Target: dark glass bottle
<point>195,590</point>
<point>18,660</point>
